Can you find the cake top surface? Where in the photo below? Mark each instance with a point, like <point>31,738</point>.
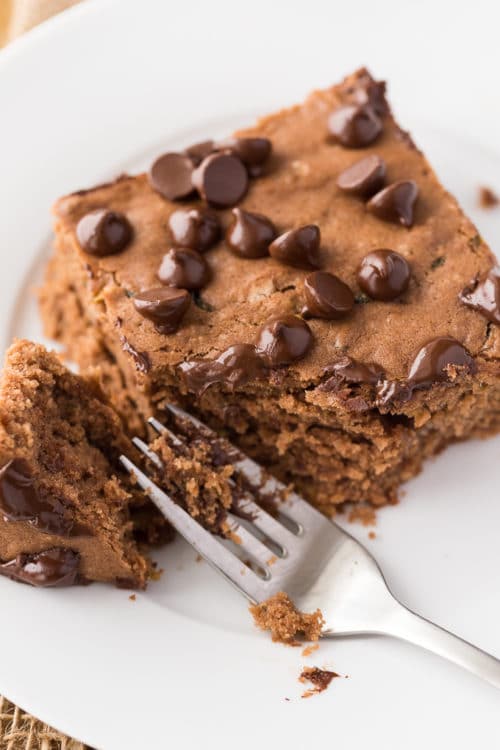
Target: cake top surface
<point>435,250</point>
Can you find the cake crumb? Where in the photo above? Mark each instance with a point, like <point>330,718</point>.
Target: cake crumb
<point>279,615</point>
<point>198,558</point>
<point>372,535</point>
<point>156,574</point>
<point>365,514</point>
<point>319,678</point>
<point>310,649</point>
<point>487,197</point>
<point>132,597</point>
<point>272,560</point>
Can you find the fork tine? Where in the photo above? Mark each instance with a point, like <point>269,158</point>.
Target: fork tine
<point>162,430</point>
<point>144,448</point>
<point>249,543</point>
<point>267,524</point>
<point>205,543</point>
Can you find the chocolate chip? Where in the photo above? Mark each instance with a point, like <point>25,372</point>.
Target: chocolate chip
<point>221,179</point>
<point>253,152</point>
<point>483,295</point>
<point>195,228</point>
<point>395,203</point>
<point>297,247</point>
<point>249,235</point>
<point>348,370</point>
<point>235,366</point>
<point>433,360</point>
<point>384,275</point>
<point>142,360</point>
<point>282,340</point>
<point>326,296</point>
<point>184,268</point>
<point>53,567</point>
<point>171,176</point>
<point>355,125</point>
<point>165,306</point>
<point>431,365</point>
<point>102,232</point>
<point>22,500</point>
<point>364,177</point>
<point>198,151</point>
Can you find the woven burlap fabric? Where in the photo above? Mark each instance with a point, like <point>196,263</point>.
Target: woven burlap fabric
<point>19,730</point>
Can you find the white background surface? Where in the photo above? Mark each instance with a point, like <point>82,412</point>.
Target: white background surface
<point>95,91</point>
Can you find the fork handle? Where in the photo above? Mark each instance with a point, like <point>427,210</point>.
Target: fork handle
<point>408,626</point>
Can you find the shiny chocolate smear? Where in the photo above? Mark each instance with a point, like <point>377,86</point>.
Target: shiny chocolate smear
<point>165,306</point>
<point>53,567</point>
<point>283,340</point>
<point>395,203</point>
<point>20,500</point>
<point>298,247</point>
<point>483,295</point>
<point>221,179</point>
<point>102,232</point>
<point>236,366</point>
<point>195,228</point>
<point>250,234</point>
<point>171,176</point>
<point>364,178</point>
<point>355,125</point>
<point>184,268</point>
<point>384,275</point>
<point>326,296</point>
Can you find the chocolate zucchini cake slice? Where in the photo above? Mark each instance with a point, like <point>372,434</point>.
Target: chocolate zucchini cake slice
<point>306,286</point>
<point>66,510</point>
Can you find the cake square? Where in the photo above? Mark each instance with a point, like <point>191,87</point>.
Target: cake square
<point>308,287</point>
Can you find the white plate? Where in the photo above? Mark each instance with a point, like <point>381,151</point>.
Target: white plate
<point>100,89</point>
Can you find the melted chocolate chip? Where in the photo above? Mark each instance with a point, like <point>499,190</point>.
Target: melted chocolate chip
<point>282,340</point>
<point>184,268</point>
<point>165,307</point>
<point>21,500</point>
<point>297,247</point>
<point>355,125</point>
<point>431,365</point>
<point>348,370</point>
<point>102,232</point>
<point>249,235</point>
<point>53,567</point>
<point>234,367</point>
<point>364,177</point>
<point>253,152</point>
<point>142,359</point>
<point>395,203</point>
<point>326,296</point>
<point>195,228</point>
<point>171,176</point>
<point>221,179</point>
<point>483,295</point>
<point>384,275</point>
<point>199,151</point>
<point>432,361</point>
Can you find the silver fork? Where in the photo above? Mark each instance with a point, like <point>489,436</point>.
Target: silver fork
<point>305,555</point>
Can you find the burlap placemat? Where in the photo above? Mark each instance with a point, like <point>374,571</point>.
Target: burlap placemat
<point>19,730</point>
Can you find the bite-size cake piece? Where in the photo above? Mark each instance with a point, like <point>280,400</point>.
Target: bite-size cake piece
<point>66,510</point>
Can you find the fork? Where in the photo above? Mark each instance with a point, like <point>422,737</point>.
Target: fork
<point>302,553</point>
